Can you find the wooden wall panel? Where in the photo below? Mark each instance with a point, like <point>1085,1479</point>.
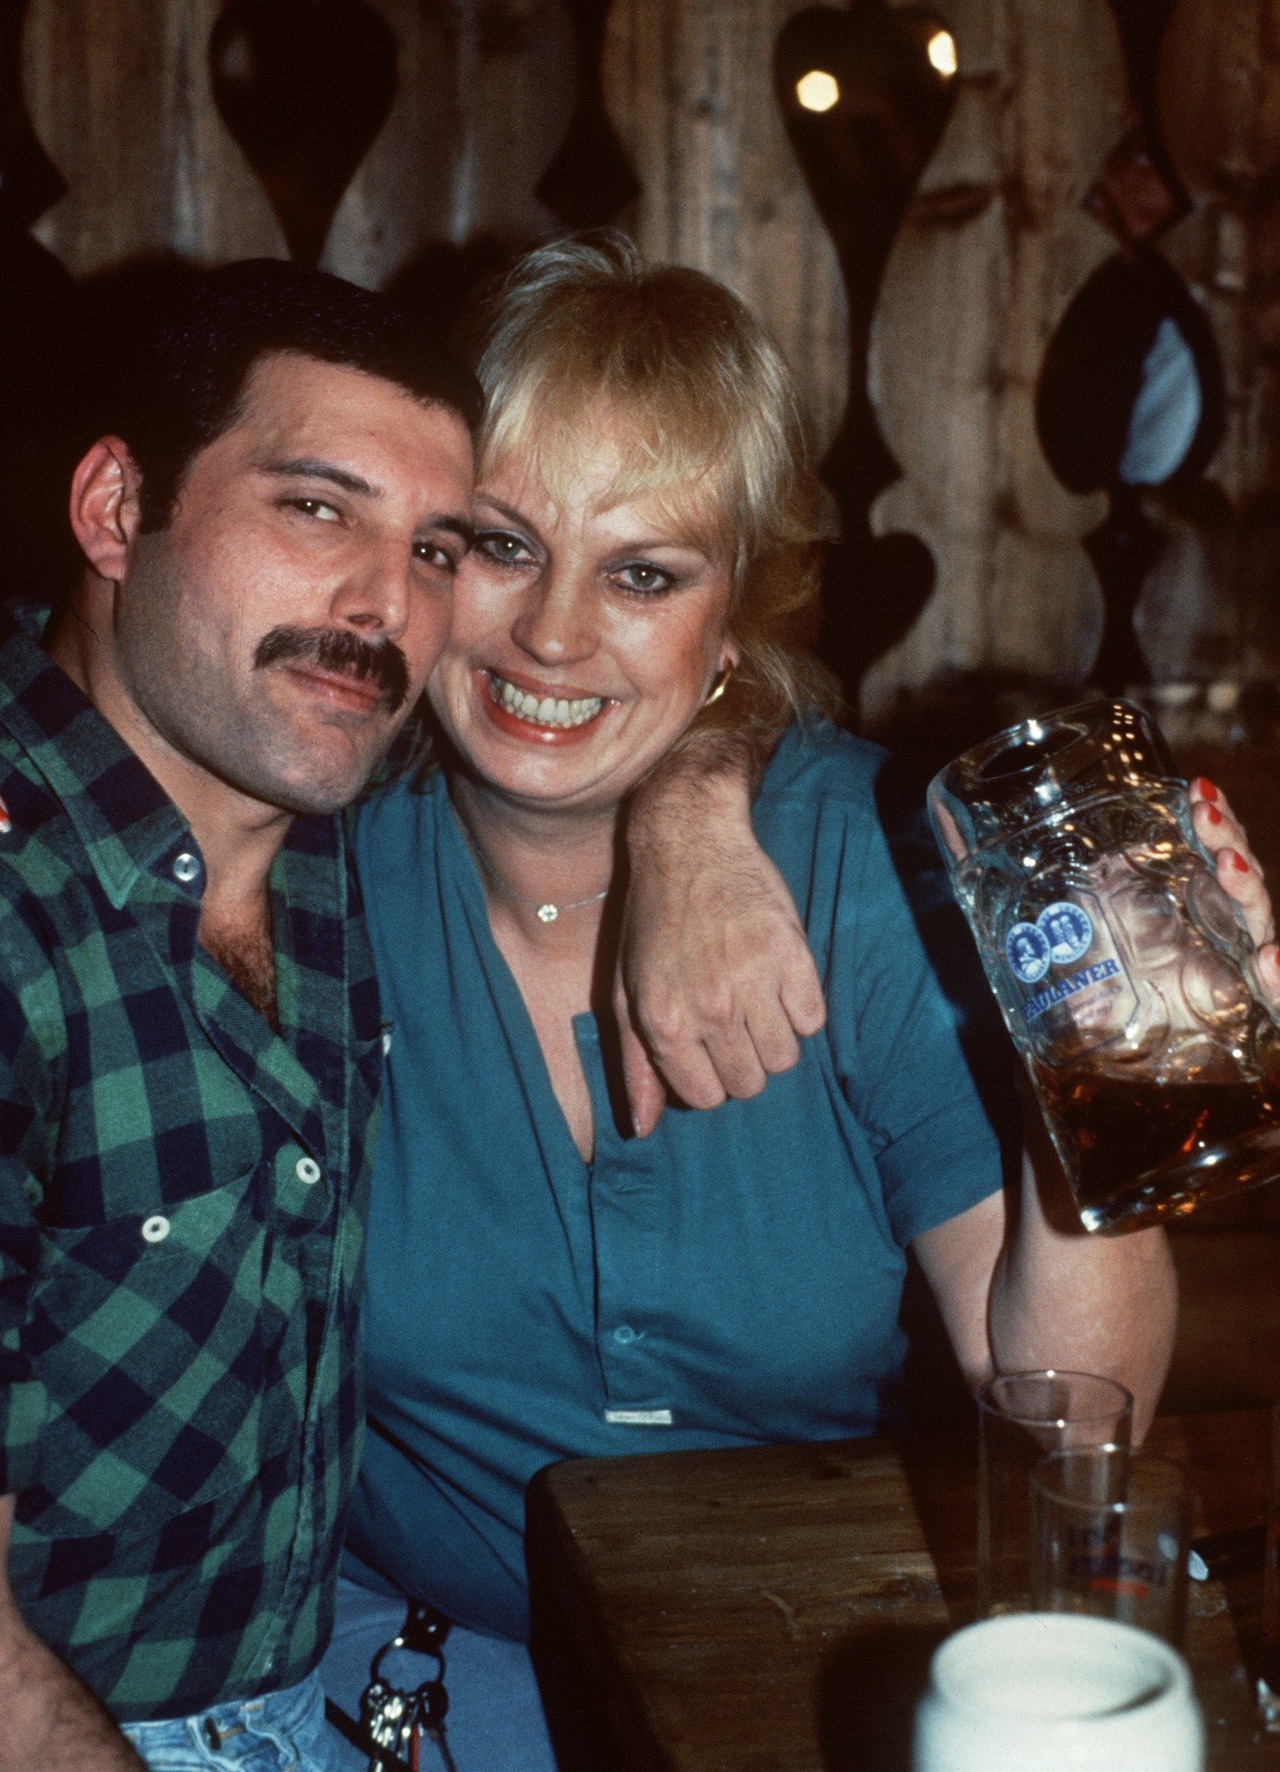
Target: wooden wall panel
<point>485,97</point>
<point>1210,608</point>
<point>991,253</point>
<point>689,85</point>
<point>119,95</point>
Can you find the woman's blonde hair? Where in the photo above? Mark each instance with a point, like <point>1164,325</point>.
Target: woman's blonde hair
<point>712,431</point>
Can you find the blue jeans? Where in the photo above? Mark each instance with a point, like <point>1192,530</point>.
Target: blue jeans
<point>495,1721</point>
<point>283,1732</point>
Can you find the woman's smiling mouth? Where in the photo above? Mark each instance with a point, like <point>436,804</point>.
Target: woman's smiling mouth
<point>547,713</point>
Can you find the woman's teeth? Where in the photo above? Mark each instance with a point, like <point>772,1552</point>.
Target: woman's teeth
<point>550,711</point>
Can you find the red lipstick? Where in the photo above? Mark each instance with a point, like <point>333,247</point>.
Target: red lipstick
<point>510,723</point>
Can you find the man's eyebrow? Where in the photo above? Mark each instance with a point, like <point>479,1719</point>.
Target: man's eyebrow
<point>454,526</point>
<point>310,467</point>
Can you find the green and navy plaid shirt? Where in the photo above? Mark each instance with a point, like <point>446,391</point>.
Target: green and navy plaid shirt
<point>181,1200</point>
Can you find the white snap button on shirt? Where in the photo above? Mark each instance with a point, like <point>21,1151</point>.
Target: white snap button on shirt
<point>186,867</point>
<point>155,1229</point>
<point>308,1170</point>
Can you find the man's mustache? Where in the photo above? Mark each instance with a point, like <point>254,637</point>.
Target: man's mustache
<point>342,652</point>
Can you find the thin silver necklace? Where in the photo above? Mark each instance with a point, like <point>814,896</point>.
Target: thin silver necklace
<point>545,912</point>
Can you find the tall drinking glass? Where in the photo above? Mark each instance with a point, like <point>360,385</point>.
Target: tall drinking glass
<point>1022,1417</point>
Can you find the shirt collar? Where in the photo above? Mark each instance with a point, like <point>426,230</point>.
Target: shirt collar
<point>124,818</point>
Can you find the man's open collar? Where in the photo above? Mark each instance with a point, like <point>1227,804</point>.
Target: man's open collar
<point>124,818</point>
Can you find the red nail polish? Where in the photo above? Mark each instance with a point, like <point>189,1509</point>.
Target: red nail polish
<point>1215,817</point>
<point>1205,789</point>
<point>1239,863</point>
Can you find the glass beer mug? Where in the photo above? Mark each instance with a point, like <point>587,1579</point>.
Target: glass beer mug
<point>1121,966</point>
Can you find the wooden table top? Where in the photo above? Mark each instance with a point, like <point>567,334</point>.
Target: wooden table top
<point>774,1609</point>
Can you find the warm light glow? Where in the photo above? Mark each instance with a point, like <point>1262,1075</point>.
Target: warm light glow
<point>942,53</point>
<point>817,91</point>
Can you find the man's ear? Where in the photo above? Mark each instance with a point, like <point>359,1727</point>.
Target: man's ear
<point>105,511</point>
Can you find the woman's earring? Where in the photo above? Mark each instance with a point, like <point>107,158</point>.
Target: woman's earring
<point>719,686</point>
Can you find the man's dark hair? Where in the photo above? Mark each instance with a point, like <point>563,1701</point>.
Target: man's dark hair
<point>186,382</point>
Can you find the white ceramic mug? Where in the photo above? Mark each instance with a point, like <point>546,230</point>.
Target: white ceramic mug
<point>1051,1692</point>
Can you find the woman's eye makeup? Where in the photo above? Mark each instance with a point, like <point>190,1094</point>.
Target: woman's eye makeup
<point>506,547</point>
<point>638,576</point>
<point>642,578</point>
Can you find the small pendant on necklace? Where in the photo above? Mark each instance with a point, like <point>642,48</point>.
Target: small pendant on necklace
<point>547,913</point>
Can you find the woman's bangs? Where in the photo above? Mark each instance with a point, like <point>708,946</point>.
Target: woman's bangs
<point>671,459</point>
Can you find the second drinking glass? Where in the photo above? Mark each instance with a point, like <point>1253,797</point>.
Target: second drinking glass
<point>1110,1534</point>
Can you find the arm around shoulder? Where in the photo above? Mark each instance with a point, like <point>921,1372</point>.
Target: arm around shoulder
<point>716,982</point>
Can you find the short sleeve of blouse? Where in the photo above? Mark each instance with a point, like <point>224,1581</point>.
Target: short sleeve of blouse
<point>892,1031</point>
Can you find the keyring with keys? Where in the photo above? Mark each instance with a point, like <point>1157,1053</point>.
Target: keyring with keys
<point>393,1721</point>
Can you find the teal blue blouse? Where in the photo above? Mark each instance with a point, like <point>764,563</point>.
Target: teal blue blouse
<point>733,1279</point>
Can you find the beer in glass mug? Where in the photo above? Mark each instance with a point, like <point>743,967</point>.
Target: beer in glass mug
<point>1121,967</point>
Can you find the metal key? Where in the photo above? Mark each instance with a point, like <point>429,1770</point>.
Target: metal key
<point>432,1706</point>
<point>388,1716</point>
<point>396,1721</point>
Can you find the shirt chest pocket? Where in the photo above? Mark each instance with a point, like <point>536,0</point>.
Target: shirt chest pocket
<point>174,1128</point>
<point>176,1352</point>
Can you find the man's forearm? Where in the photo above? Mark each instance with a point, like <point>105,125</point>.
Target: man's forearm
<point>715,972</point>
<point>49,1719</point>
<point>1061,1297</point>
<point>712,775</point>
<point>716,982</point>
<point>52,1722</point>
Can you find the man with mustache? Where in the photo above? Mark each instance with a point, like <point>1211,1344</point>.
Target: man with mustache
<point>190,1043</point>
<point>189,1027</point>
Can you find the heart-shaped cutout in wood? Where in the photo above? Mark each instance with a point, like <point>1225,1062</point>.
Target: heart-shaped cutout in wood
<point>303,87</point>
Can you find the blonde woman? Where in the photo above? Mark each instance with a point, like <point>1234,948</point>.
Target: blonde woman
<point>543,1284</point>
